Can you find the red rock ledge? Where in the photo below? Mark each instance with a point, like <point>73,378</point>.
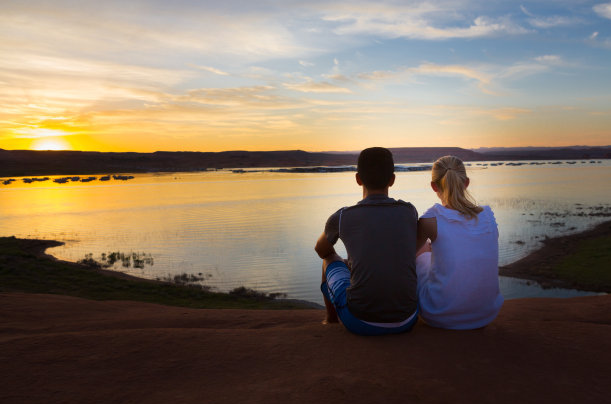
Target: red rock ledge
<point>58,349</point>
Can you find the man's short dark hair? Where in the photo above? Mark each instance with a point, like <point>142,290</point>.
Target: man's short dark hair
<point>376,167</point>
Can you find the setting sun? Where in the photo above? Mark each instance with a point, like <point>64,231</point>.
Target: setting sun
<point>51,144</point>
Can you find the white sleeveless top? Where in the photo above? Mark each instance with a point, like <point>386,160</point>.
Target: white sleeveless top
<point>460,288</point>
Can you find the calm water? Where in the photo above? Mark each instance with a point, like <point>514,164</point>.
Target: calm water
<point>258,229</point>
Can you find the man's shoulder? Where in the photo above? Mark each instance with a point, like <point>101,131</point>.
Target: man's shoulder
<point>339,211</point>
<point>391,203</point>
<point>398,209</point>
<point>408,204</point>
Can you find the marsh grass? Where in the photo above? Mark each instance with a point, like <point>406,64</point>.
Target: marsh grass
<point>589,265</point>
<point>108,260</point>
<point>23,269</point>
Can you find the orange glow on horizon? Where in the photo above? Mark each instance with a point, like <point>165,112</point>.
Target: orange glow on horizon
<point>50,144</point>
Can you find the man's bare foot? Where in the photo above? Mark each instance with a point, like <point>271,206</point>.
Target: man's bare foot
<point>331,320</point>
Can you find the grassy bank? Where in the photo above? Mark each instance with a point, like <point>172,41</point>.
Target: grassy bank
<point>578,261</point>
<point>25,268</point>
<point>590,265</point>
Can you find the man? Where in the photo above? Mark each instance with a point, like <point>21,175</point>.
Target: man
<point>373,292</point>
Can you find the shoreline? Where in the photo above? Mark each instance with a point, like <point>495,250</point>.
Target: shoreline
<point>39,248</point>
<point>539,265</point>
<point>25,267</point>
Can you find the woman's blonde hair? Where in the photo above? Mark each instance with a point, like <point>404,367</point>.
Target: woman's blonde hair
<point>450,176</point>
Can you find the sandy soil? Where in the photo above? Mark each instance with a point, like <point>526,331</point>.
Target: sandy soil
<point>58,349</point>
<point>538,265</point>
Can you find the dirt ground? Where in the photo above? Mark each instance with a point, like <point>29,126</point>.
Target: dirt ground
<point>59,349</point>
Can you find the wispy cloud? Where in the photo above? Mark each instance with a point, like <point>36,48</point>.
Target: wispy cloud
<point>603,10</point>
<point>262,97</point>
<point>311,86</point>
<point>403,22</point>
<point>212,70</point>
<point>431,69</point>
<point>487,77</point>
<point>525,11</point>
<point>553,21</point>
<point>526,68</point>
<point>549,59</point>
<point>549,21</point>
<point>482,78</point>
<point>597,41</point>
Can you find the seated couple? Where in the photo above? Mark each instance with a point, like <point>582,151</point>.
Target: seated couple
<point>443,266</point>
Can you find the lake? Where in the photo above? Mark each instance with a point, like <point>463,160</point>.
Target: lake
<point>258,229</point>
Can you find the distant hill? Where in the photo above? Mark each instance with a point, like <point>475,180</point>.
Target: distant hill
<point>545,153</point>
<point>430,154</point>
<point>28,162</point>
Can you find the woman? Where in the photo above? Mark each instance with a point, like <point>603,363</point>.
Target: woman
<point>457,269</point>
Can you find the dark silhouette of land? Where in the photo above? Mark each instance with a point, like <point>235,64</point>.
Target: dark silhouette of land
<point>28,162</point>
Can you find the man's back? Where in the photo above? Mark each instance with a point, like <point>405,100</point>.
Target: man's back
<point>379,234</point>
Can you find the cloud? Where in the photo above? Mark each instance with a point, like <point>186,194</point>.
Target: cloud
<point>522,69</point>
<point>262,97</point>
<point>553,21</point>
<point>487,77</point>
<point>536,65</point>
<point>550,21</point>
<point>550,59</point>
<point>311,86</point>
<point>431,69</point>
<point>595,40</point>
<point>146,29</point>
<point>427,20</point>
<point>603,10</point>
<point>482,79</point>
<point>212,70</point>
<point>37,67</point>
<point>338,77</point>
<point>306,64</point>
<point>525,11</point>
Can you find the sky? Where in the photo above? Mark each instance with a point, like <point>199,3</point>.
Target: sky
<point>311,75</point>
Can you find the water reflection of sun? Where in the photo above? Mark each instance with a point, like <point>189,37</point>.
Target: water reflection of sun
<point>50,144</point>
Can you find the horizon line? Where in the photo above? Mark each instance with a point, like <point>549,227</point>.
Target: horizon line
<point>326,151</point>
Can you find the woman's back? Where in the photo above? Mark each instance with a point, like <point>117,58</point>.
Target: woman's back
<point>458,282</point>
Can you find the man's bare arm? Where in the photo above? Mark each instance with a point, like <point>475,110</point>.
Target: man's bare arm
<point>427,229</point>
<point>323,247</point>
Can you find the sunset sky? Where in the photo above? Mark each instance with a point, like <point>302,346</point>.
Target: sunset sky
<point>312,75</point>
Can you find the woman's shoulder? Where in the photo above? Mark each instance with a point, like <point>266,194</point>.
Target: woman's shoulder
<point>486,212</point>
<point>486,222</point>
<point>440,211</point>
<point>431,212</point>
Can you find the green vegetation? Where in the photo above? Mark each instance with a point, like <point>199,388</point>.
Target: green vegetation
<point>588,267</point>
<point>22,270</point>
